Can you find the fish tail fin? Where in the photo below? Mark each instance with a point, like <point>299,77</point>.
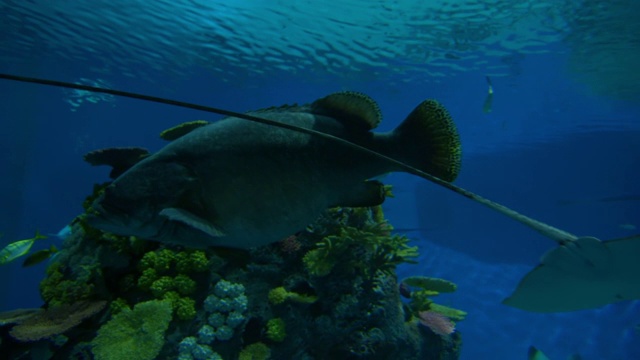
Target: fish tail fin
<point>39,236</point>
<point>429,141</point>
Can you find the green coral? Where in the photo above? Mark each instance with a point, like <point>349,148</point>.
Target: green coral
<point>163,273</point>
<point>180,283</point>
<point>256,351</point>
<point>276,330</point>
<point>162,285</point>
<point>184,307</point>
<point>118,305</point>
<point>192,261</point>
<point>158,266</point>
<point>318,262</point>
<point>57,289</point>
<point>147,278</point>
<point>164,259</point>
<point>429,287</point>
<point>184,284</point>
<point>430,283</point>
<point>183,262</point>
<point>134,334</point>
<point>279,295</point>
<point>377,247</point>
<point>160,261</point>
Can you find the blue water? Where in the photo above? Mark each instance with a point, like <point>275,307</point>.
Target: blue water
<point>561,141</point>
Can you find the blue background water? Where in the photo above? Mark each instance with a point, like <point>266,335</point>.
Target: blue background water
<point>554,147</point>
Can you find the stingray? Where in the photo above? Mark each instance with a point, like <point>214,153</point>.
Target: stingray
<point>580,273</point>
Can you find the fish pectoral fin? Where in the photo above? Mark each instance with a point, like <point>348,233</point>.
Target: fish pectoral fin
<point>190,219</point>
<point>369,193</point>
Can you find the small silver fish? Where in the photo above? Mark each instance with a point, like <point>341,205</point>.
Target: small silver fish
<point>487,106</point>
<point>18,248</point>
<point>39,256</point>
<point>627,226</point>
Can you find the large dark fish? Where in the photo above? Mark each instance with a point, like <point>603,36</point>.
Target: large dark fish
<point>190,191</point>
<point>235,183</point>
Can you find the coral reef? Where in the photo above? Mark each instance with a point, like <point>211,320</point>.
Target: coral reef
<point>329,291</point>
<point>276,330</point>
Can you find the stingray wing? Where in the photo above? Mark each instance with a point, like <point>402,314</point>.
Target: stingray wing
<point>584,274</point>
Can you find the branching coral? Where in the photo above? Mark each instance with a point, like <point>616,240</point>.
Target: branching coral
<point>183,262</point>
<point>57,288</point>
<point>164,274</point>
<point>276,329</point>
<point>374,246</point>
<point>183,307</point>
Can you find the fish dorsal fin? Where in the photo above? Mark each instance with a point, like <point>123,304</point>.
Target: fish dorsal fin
<point>120,159</point>
<point>352,109</point>
<point>182,129</point>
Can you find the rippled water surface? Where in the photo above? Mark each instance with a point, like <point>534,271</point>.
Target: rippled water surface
<point>402,41</point>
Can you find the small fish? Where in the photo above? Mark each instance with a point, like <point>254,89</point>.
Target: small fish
<point>39,256</point>
<point>18,248</point>
<point>627,226</point>
<point>63,234</point>
<point>488,101</point>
